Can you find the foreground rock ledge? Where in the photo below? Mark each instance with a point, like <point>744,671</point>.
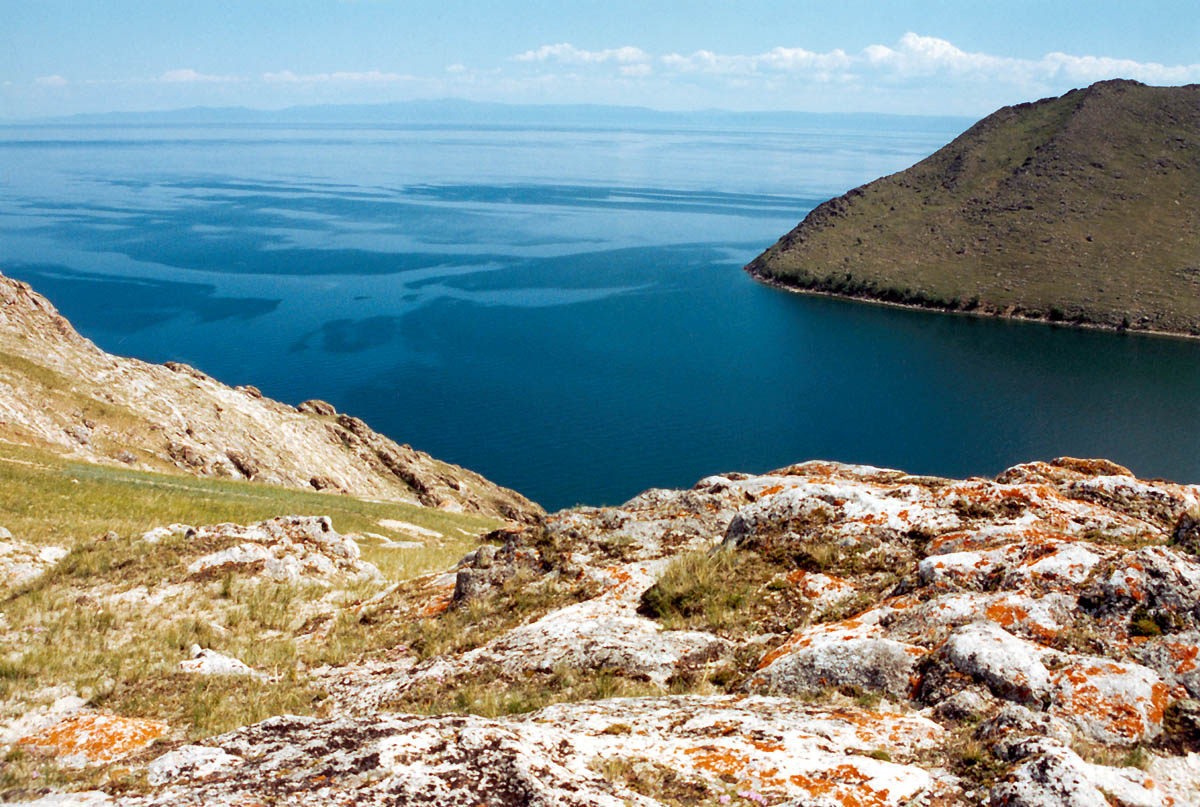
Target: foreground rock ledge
<point>824,634</point>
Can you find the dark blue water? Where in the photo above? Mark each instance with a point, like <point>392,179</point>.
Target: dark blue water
<point>563,310</point>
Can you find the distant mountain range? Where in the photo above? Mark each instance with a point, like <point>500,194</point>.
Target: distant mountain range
<point>1078,209</point>
<point>460,112</point>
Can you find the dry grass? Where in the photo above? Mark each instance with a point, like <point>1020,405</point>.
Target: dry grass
<point>663,784</point>
<point>489,692</point>
<point>68,628</point>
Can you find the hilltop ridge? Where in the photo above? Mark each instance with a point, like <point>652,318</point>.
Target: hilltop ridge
<point>1080,209</point>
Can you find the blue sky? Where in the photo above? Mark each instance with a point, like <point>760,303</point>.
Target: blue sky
<point>930,57</point>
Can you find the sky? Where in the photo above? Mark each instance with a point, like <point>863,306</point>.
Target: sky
<point>969,57</point>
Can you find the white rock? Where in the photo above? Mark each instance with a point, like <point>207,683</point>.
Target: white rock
<point>210,662</point>
<point>22,562</point>
<point>1055,776</point>
<point>85,798</point>
<point>189,762</point>
<point>1010,666</point>
<point>158,533</point>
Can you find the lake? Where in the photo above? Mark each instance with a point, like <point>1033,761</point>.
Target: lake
<point>561,309</point>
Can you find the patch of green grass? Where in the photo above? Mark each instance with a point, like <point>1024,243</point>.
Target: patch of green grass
<point>45,499</point>
<point>209,705</point>
<point>970,759</point>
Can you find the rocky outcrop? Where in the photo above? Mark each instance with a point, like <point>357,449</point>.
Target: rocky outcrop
<point>21,562</point>
<point>59,390</point>
<point>822,634</point>
<point>285,550</point>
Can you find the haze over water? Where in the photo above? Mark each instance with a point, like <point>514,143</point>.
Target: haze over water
<point>562,310</point>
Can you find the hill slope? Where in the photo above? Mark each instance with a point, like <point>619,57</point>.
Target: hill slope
<point>1079,208</point>
<point>61,393</point>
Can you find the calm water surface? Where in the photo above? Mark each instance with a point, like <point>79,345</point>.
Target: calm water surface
<point>562,310</point>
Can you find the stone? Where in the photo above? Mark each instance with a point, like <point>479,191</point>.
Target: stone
<point>1186,534</point>
<point>1176,658</point>
<point>210,662</point>
<point>1109,701</point>
<point>1010,667</point>
<point>777,747</point>
<point>22,562</point>
<point>246,465</point>
<point>315,406</point>
<point>92,737</point>
<point>189,762</point>
<point>284,549</point>
<point>1162,580</point>
<point>849,653</point>
<point>82,798</point>
<point>965,704</point>
<point>1055,776</point>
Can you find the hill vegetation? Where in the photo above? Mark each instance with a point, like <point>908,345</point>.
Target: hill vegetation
<point>1076,209</point>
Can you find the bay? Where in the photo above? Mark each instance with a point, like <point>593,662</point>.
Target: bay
<point>561,308</point>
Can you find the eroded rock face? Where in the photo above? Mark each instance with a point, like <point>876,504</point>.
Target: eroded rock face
<point>1053,775</point>
<point>175,416</point>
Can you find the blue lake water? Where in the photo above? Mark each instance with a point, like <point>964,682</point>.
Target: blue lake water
<point>562,310</point>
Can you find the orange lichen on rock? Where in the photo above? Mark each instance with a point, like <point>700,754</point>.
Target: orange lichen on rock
<point>1121,702</point>
<point>1009,615</point>
<point>97,738</point>
<point>1185,654</point>
<point>842,784</point>
<point>440,600</point>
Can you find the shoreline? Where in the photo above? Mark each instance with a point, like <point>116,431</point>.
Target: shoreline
<point>978,313</point>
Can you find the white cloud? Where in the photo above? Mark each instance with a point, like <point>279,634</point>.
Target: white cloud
<point>185,75</point>
<point>1094,68</point>
<point>456,68</point>
<point>569,54</point>
<point>780,60</point>
<point>911,59</point>
<point>51,81</point>
<point>924,56</point>
<point>365,77</point>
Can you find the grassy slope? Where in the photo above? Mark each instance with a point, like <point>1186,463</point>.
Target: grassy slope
<point>65,629</point>
<point>1078,208</point>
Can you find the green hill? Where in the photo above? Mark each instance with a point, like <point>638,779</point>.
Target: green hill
<point>1080,209</point>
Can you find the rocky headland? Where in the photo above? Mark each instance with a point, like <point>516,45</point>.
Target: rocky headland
<point>1075,210</point>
